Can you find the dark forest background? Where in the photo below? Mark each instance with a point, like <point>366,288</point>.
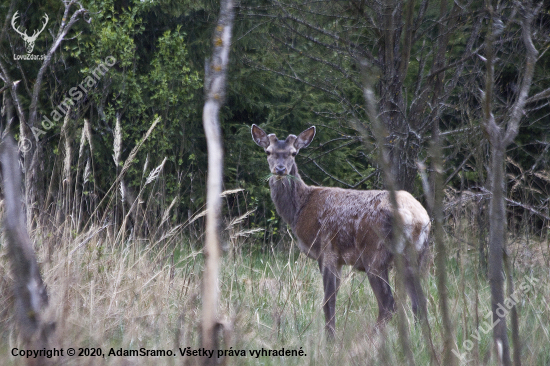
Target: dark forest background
<point>293,65</point>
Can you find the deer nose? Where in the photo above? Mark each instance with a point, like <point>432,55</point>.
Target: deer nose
<point>280,169</point>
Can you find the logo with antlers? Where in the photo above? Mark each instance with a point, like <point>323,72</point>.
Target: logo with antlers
<point>29,40</point>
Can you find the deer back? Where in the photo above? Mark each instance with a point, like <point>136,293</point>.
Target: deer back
<point>355,227</point>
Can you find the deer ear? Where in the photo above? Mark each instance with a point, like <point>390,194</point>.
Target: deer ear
<point>304,139</point>
<point>259,136</point>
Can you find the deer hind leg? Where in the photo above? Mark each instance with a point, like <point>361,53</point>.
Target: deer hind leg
<point>331,285</point>
<point>382,290</point>
<point>414,289</point>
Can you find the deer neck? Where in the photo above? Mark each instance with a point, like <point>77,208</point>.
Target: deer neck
<point>289,195</point>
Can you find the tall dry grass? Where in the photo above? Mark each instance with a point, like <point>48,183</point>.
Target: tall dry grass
<point>147,293</point>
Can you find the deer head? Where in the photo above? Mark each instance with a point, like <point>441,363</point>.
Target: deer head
<point>29,41</point>
<point>281,153</point>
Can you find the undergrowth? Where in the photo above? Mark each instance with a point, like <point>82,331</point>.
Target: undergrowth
<point>145,294</point>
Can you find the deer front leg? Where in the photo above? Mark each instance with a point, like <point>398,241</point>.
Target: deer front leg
<point>331,285</point>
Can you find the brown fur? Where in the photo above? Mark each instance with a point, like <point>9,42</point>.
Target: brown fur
<point>343,227</point>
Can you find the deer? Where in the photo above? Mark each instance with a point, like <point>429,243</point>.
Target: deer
<point>338,227</point>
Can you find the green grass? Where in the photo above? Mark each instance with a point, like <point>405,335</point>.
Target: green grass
<point>144,295</point>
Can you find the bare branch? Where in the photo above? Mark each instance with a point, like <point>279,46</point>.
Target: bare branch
<point>539,96</point>
<point>62,32</point>
<point>408,41</point>
<point>518,109</point>
<point>13,92</point>
<point>338,68</point>
<point>353,46</point>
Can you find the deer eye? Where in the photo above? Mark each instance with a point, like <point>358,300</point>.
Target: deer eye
<point>268,153</point>
<point>294,153</point>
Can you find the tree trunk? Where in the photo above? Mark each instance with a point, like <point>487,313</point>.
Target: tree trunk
<point>215,79</point>
<point>500,136</point>
<point>497,219</point>
<point>31,297</point>
<point>402,159</point>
